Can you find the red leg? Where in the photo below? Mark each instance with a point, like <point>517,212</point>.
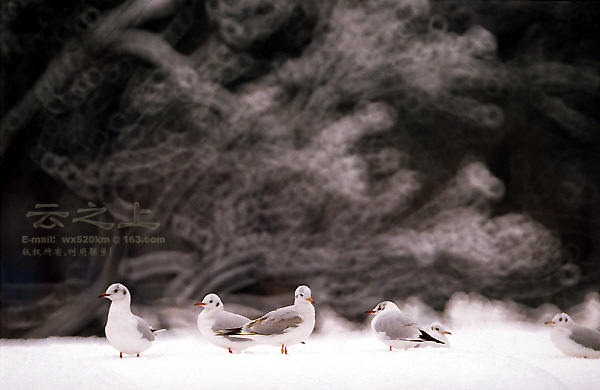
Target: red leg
<point>230,351</point>
<point>285,349</point>
<point>138,355</point>
<point>121,355</point>
<point>390,347</point>
<point>281,348</point>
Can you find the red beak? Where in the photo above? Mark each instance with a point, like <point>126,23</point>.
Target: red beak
<point>103,295</point>
<point>370,311</point>
<point>199,304</point>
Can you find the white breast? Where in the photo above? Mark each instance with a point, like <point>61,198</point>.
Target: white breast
<point>123,334</point>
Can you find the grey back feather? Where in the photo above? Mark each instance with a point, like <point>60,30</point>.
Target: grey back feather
<point>228,320</point>
<point>275,322</point>
<point>397,326</point>
<point>589,338</point>
<point>144,329</point>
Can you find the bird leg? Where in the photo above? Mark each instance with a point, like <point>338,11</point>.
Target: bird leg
<point>390,347</point>
<point>121,355</point>
<point>138,355</point>
<point>230,351</point>
<point>283,349</point>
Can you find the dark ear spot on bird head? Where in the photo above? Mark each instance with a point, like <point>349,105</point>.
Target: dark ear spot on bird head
<point>218,303</point>
<point>124,292</point>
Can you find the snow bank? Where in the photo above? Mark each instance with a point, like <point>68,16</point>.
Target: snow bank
<point>508,356</point>
<point>495,345</point>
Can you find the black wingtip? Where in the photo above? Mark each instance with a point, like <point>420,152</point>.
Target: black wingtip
<point>427,337</point>
<point>229,332</point>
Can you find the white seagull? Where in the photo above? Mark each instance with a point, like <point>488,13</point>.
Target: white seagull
<point>126,332</point>
<point>397,329</point>
<point>438,331</point>
<point>214,319</point>
<point>573,339</point>
<point>285,326</point>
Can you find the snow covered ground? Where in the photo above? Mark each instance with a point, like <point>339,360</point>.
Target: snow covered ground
<point>490,353</point>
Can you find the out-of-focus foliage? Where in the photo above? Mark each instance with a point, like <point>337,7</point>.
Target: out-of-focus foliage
<point>373,149</point>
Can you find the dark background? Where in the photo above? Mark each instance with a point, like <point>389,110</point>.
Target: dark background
<point>370,149</point>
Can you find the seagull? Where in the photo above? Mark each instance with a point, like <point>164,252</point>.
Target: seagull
<point>438,332</point>
<point>126,332</point>
<point>285,326</point>
<point>396,328</point>
<point>573,339</point>
<point>214,319</point>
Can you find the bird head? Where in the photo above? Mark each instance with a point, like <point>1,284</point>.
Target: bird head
<point>211,302</point>
<point>438,327</point>
<point>116,292</point>
<point>389,305</point>
<point>562,320</point>
<point>303,293</point>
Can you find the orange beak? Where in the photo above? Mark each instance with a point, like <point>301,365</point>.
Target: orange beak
<point>370,311</point>
<point>103,295</point>
<point>549,322</point>
<point>309,299</point>
<point>446,332</point>
<point>199,304</point>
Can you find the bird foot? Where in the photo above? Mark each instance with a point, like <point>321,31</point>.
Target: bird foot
<point>138,355</point>
<point>283,349</point>
<point>229,349</point>
<point>121,355</point>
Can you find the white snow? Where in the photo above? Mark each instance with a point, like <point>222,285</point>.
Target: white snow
<point>490,350</point>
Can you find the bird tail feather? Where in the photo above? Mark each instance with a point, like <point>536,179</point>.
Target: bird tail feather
<point>229,332</point>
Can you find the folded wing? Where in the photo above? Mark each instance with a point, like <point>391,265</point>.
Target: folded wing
<point>278,321</point>
<point>226,320</point>
<point>144,329</point>
<point>588,338</point>
<point>397,326</point>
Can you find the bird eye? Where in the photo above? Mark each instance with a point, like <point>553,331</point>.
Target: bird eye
<point>301,295</point>
<point>437,328</point>
<point>210,301</point>
<point>560,319</point>
<point>124,292</point>
<point>116,290</point>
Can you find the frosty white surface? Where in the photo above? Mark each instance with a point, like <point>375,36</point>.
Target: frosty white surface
<point>494,346</point>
